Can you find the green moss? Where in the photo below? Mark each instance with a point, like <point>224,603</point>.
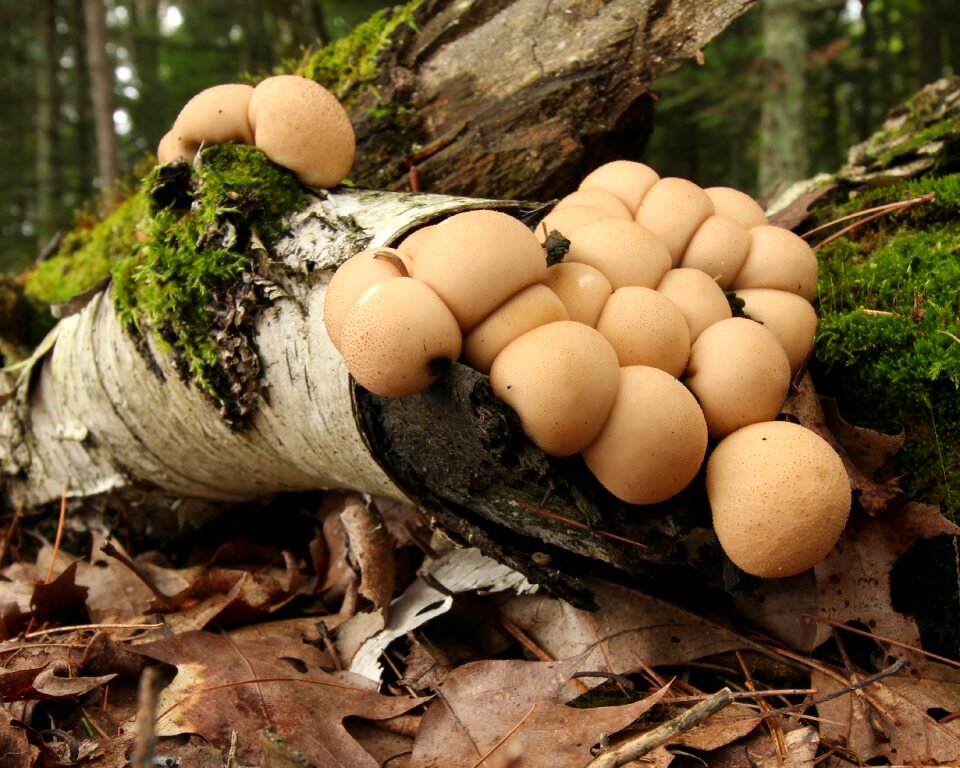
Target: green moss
<point>888,343</point>
<point>349,65</point>
<point>87,252</point>
<point>195,248</point>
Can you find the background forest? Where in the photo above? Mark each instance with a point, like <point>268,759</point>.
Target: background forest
<point>780,95</point>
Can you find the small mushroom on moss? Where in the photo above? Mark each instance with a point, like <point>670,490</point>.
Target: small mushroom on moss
<point>582,289</point>
<point>561,379</point>
<point>476,260</point>
<point>791,318</point>
<point>398,337</point>
<point>718,247</point>
<point>646,328</point>
<point>701,301</point>
<point>353,277</point>
<point>529,309</point>
<point>654,441</point>
<point>216,115</point>
<point>739,374</point>
<point>779,259</point>
<point>738,205</point>
<point>627,253</point>
<point>626,179</point>
<point>780,498</point>
<point>300,125</point>
<point>673,209</point>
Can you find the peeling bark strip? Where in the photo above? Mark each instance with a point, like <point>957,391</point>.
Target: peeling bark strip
<point>518,99</point>
<point>90,410</point>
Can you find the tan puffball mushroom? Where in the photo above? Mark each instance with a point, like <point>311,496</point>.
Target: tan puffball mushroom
<point>561,379</point>
<point>697,296</point>
<point>398,337</point>
<point>779,259</point>
<point>780,498</point>
<point>216,115</point>
<point>738,205</point>
<point>719,248</point>
<point>673,209</point>
<point>529,309</point>
<point>476,260</point>
<point>653,444</point>
<point>791,318</point>
<point>626,179</point>
<point>568,220</point>
<point>582,289</point>
<point>353,277</point>
<point>599,199</point>
<point>412,242</point>
<point>627,253</point>
<point>739,374</point>
<point>646,328</point>
<point>300,125</point>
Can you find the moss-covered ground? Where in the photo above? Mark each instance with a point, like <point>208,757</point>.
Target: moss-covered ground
<point>888,343</point>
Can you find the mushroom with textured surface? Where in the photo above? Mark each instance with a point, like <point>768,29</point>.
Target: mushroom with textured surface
<point>780,498</point>
<point>398,337</point>
<point>673,209</point>
<point>779,259</point>
<point>561,379</point>
<point>582,289</point>
<point>791,318</point>
<point>627,253</point>
<point>701,301</point>
<point>300,125</point>
<point>739,374</point>
<point>718,247</point>
<point>738,205</point>
<point>216,115</point>
<point>653,444</point>
<point>627,179</point>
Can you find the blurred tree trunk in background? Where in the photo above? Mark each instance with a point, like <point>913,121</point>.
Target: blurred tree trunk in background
<point>147,111</point>
<point>101,91</point>
<point>48,109</point>
<point>83,136</point>
<point>783,140</point>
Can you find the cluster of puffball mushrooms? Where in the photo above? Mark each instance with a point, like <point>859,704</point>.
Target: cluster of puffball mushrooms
<point>626,351</point>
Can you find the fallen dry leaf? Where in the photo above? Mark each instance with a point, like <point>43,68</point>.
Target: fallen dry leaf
<point>16,751</point>
<point>245,686</point>
<point>372,549</point>
<point>511,713</point>
<point>895,718</point>
<point>629,631</point>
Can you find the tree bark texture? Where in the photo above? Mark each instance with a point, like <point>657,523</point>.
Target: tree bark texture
<point>519,99</point>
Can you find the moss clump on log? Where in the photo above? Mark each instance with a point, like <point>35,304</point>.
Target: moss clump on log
<point>888,344</point>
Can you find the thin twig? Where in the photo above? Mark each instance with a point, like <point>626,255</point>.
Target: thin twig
<point>59,538</point>
<point>639,745</point>
<point>506,736</point>
<point>77,627</point>
<point>577,524</point>
<point>145,741</point>
<point>857,224</point>
<point>900,204</point>
<point>882,639</point>
<point>8,532</point>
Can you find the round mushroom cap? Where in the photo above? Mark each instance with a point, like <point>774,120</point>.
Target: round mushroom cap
<point>653,444</point>
<point>561,379</point>
<point>396,337</point>
<point>719,248</point>
<point>697,296</point>
<point>216,115</point>
<point>599,199</point>
<point>582,289</point>
<point>739,374</point>
<point>568,220</point>
<point>352,278</point>
<point>738,205</point>
<point>529,309</point>
<point>169,149</point>
<point>626,179</point>
<point>673,209</point>
<point>300,125</point>
<point>412,242</point>
<point>476,260</point>
<point>627,253</point>
<point>779,259</point>
<point>646,328</point>
<point>780,498</point>
<point>791,318</point>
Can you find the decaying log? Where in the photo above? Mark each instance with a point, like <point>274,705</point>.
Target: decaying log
<point>518,99</point>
